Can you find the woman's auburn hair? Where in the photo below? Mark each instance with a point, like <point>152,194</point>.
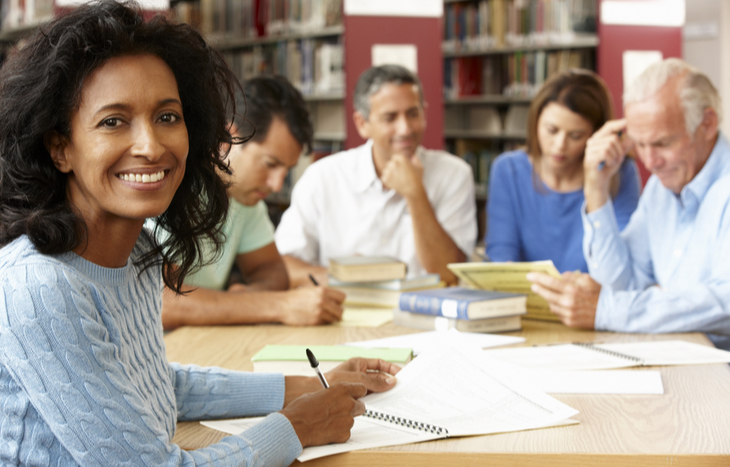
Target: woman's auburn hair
<point>580,91</point>
<point>40,91</point>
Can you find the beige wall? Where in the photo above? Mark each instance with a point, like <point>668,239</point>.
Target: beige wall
<point>724,85</point>
<point>708,48</point>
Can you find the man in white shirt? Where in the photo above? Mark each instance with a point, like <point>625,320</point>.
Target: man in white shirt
<point>388,197</point>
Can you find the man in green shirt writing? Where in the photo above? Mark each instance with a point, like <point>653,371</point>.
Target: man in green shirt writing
<point>283,129</point>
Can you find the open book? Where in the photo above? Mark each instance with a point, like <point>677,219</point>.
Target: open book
<point>509,277</point>
<point>590,356</point>
<point>457,391</point>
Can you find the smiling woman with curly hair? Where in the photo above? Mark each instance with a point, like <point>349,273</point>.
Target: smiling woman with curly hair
<point>107,120</point>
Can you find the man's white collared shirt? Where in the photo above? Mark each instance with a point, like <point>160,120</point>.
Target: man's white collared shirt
<point>340,208</point>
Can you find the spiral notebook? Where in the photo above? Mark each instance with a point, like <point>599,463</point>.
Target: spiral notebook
<point>457,391</point>
<point>593,356</point>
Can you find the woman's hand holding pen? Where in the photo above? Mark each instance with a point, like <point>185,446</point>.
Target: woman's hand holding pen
<point>605,152</point>
<point>321,416</point>
<point>326,416</point>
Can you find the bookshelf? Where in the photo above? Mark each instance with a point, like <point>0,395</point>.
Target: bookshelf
<point>497,54</point>
<point>299,39</point>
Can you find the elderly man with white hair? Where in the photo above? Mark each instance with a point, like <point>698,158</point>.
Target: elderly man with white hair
<point>669,270</point>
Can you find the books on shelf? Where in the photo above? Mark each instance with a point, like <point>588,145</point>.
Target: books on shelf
<point>488,24</point>
<point>445,392</point>
<point>25,13</point>
<point>515,75</point>
<point>439,323</point>
<point>509,277</point>
<point>366,268</point>
<point>258,18</point>
<point>314,66</point>
<point>515,122</point>
<point>329,74</point>
<point>462,303</point>
<point>292,359</point>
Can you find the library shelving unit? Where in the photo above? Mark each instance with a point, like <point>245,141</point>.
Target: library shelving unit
<point>299,40</point>
<point>497,54</point>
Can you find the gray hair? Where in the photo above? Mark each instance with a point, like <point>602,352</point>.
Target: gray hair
<point>696,92</point>
<point>373,79</point>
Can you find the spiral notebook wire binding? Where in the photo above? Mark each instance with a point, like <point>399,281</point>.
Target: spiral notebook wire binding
<point>406,422</point>
<point>592,346</point>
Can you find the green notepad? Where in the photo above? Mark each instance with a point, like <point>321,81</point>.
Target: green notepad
<point>292,359</point>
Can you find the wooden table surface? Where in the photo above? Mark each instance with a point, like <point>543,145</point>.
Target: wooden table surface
<point>688,425</point>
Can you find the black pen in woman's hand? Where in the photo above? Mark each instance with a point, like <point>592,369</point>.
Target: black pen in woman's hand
<point>314,281</point>
<point>315,364</point>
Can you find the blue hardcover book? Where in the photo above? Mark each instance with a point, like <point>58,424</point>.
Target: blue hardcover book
<point>462,303</point>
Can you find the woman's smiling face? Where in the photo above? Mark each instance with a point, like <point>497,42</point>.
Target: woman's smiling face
<point>128,145</point>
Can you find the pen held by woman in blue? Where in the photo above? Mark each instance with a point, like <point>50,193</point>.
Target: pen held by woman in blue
<point>314,281</point>
<point>315,364</point>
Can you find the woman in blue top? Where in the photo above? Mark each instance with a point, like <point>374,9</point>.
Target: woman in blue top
<point>535,196</point>
<point>106,120</point>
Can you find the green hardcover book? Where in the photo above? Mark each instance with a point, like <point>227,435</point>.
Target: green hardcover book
<point>292,359</point>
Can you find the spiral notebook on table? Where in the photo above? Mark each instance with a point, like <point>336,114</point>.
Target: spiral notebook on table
<point>457,391</point>
<point>593,356</point>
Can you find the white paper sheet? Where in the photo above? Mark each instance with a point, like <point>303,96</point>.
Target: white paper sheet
<point>570,357</point>
<point>595,382</point>
<point>670,352</point>
<point>437,339</point>
<point>467,392</point>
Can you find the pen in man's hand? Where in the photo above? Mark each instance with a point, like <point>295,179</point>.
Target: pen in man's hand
<point>602,164</point>
<point>315,364</point>
<point>314,281</point>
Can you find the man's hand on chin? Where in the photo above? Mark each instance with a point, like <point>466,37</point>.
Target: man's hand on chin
<point>404,174</point>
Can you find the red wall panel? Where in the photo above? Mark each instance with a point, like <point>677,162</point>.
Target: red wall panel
<point>615,39</point>
<point>362,32</point>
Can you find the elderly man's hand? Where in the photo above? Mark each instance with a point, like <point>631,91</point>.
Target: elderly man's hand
<point>573,296</point>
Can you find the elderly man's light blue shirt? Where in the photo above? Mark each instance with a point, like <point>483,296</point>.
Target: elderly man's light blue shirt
<point>669,270</point>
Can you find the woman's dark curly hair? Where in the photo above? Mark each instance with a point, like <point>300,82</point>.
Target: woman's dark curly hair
<point>40,91</point>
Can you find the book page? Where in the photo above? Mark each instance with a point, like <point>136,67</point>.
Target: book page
<point>670,352</point>
<point>467,392</point>
<point>432,339</point>
<point>509,277</point>
<point>563,357</point>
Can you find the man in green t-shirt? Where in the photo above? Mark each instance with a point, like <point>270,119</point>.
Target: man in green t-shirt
<point>283,128</point>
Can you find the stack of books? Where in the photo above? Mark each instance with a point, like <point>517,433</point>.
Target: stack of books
<point>374,281</point>
<point>366,268</point>
<point>383,293</point>
<point>460,308</point>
